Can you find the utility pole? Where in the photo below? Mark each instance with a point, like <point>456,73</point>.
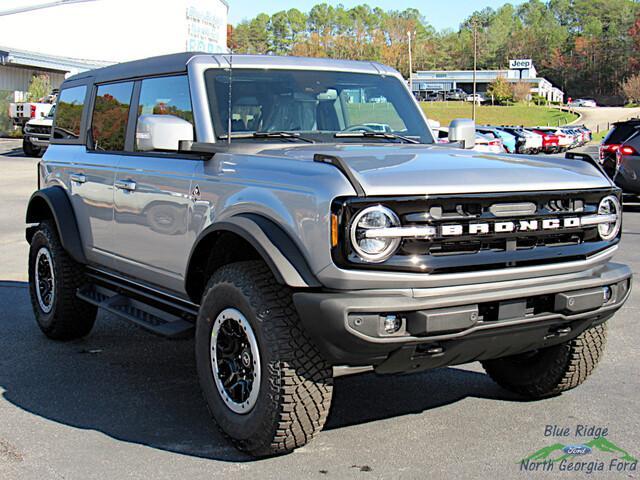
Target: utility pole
<point>409,34</point>
<point>475,65</point>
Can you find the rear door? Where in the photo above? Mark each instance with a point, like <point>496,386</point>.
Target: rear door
<point>102,154</point>
<point>153,192</point>
<point>87,176</point>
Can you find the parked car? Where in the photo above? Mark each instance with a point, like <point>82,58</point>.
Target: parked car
<point>488,144</point>
<point>582,134</point>
<point>456,94</point>
<point>508,139</point>
<point>435,96</point>
<point>527,142</point>
<point>550,141</point>
<point>565,140</point>
<point>627,175</point>
<point>36,134</point>
<point>574,137</point>
<point>297,245</point>
<point>620,133</point>
<point>583,102</point>
<point>478,98</point>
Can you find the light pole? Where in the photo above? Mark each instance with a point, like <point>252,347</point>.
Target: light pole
<point>409,34</point>
<point>475,66</point>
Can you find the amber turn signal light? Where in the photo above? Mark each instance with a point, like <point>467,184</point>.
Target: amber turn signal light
<point>334,230</point>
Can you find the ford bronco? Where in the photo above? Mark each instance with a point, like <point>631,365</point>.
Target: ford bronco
<point>296,216</point>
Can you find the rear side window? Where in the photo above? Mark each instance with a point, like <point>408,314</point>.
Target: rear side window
<point>621,133</point>
<point>634,141</point>
<point>166,96</point>
<point>110,115</point>
<point>69,113</point>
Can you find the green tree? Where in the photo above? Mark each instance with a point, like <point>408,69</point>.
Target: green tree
<point>39,87</point>
<point>500,90</point>
<point>587,47</point>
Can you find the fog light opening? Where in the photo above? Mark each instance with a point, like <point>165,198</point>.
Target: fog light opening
<point>392,324</point>
<point>607,294</point>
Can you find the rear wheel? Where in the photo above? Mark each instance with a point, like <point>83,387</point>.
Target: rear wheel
<point>553,370</point>
<point>265,383</point>
<point>54,278</point>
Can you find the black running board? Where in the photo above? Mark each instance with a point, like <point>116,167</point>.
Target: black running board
<point>139,312</point>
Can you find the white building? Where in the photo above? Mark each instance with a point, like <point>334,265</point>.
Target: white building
<point>428,81</point>
<point>64,37</point>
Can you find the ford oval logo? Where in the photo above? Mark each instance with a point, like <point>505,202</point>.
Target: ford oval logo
<point>576,449</point>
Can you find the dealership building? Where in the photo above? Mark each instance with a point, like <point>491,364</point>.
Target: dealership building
<point>64,37</point>
<point>426,82</point>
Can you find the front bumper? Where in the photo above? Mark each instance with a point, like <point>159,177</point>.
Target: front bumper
<point>41,141</point>
<point>454,325</point>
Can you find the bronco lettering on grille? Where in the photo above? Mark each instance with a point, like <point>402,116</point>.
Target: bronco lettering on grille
<point>509,227</point>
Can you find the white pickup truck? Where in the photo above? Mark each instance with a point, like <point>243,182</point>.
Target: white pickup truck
<point>36,134</point>
<point>22,112</point>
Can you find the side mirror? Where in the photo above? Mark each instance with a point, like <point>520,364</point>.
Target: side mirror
<point>162,132</point>
<point>463,130</point>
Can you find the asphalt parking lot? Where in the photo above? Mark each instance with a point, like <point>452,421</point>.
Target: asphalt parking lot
<point>125,404</point>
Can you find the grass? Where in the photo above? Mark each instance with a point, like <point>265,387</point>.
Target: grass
<point>599,136</point>
<point>525,115</point>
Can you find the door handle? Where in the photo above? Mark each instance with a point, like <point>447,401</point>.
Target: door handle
<point>129,185</point>
<point>78,178</point>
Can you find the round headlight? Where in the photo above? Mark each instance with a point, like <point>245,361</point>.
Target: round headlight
<point>610,206</point>
<point>370,248</point>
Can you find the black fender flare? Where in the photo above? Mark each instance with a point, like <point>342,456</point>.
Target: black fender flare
<point>55,200</point>
<point>273,244</point>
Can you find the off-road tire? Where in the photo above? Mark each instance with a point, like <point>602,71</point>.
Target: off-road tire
<point>296,382</point>
<point>70,317</point>
<point>552,370</point>
<point>29,149</point>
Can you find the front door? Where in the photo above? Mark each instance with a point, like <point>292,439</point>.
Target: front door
<point>153,195</point>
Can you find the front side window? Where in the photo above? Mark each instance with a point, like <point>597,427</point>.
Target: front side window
<point>166,96</point>
<point>69,113</point>
<point>314,104</point>
<point>110,115</point>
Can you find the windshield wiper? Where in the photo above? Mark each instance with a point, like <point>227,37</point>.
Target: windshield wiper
<point>281,134</point>
<point>389,136</point>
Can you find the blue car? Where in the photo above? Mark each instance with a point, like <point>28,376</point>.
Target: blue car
<point>508,140</point>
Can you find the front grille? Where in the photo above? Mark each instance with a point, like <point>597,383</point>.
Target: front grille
<point>466,250</point>
<point>38,129</point>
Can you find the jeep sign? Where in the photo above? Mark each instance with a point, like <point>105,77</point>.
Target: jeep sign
<point>520,64</point>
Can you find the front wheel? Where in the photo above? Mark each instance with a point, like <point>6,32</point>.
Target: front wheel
<point>29,149</point>
<point>265,383</point>
<point>553,370</point>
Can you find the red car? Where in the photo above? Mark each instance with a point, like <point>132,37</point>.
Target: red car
<point>550,141</point>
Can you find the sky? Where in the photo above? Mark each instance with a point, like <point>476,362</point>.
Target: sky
<point>440,14</point>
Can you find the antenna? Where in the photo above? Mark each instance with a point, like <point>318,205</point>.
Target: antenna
<point>229,122</point>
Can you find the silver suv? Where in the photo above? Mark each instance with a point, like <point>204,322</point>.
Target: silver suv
<point>296,216</point>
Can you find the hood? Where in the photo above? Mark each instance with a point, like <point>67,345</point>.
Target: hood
<point>41,122</point>
<point>392,169</point>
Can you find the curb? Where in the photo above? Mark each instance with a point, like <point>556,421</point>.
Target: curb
<point>569,110</point>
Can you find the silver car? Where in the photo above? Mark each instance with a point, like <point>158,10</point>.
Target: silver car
<point>302,230</point>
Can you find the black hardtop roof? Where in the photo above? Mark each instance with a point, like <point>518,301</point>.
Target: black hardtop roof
<point>161,65</point>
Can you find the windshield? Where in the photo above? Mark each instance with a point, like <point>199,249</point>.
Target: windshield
<point>52,112</point>
<point>313,104</point>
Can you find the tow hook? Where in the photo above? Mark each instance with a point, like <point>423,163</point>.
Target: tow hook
<point>430,350</point>
<point>558,332</point>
